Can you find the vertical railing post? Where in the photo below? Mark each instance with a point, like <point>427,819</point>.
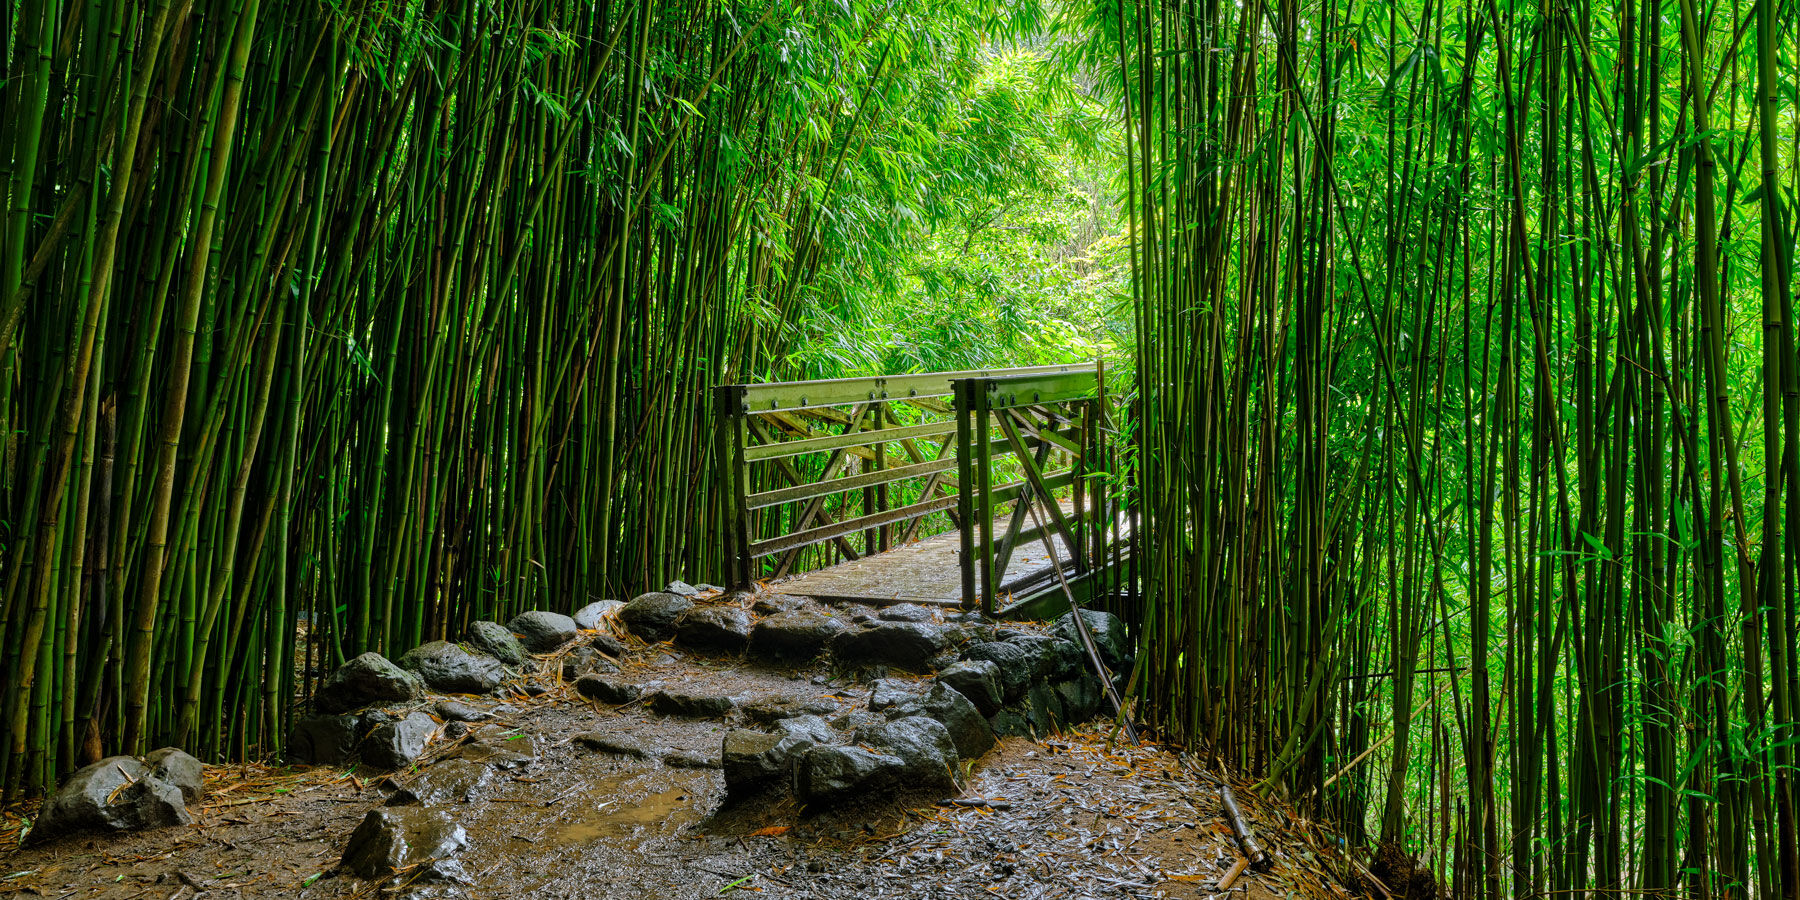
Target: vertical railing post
<point>965,489</point>
<point>984,501</point>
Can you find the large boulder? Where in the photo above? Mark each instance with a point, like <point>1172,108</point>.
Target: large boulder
<point>924,747</point>
<point>394,838</point>
<point>119,793</point>
<point>908,645</point>
<point>595,615</point>
<point>398,743</point>
<point>176,767</point>
<point>365,680</point>
<point>613,691</point>
<point>722,627</point>
<point>1052,658</point>
<point>450,669</point>
<point>752,759</point>
<point>968,729</point>
<point>809,726</point>
<point>324,740</point>
<point>1017,666</point>
<point>691,704</point>
<point>978,680</point>
<point>493,639</point>
<point>1110,637</point>
<point>887,693</point>
<point>797,634</point>
<point>826,775</point>
<point>542,631</point>
<point>1081,698</point>
<point>652,616</point>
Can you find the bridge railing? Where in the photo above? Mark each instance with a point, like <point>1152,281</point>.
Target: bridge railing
<point>857,462</point>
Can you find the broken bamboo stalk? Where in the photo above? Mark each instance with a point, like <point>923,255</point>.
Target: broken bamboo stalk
<point>1241,827</point>
<point>1231,875</point>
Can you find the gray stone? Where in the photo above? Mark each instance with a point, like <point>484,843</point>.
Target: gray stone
<point>399,743</point>
<point>969,731</point>
<point>1016,665</point>
<point>618,744</point>
<point>1082,699</point>
<point>449,668</point>
<point>682,588</point>
<point>493,639</point>
<point>542,631</point>
<point>116,794</point>
<point>691,705</point>
<point>586,661</point>
<point>812,727</point>
<point>609,645</point>
<point>174,766</point>
<point>772,604</point>
<point>367,679</point>
<point>924,746</point>
<point>1010,722</point>
<point>770,710</point>
<point>595,615</point>
<point>607,690</point>
<point>324,739</point>
<point>722,627</point>
<point>512,752</point>
<point>454,711</point>
<point>855,719</point>
<point>887,693</point>
<point>752,759</point>
<point>826,775</point>
<point>398,837</point>
<point>906,612</point>
<point>1110,636</point>
<point>450,781</point>
<point>652,616</point>
<point>1052,658</point>
<point>691,759</point>
<point>909,645</point>
<point>978,680</point>
<point>1043,709</point>
<point>798,634</point>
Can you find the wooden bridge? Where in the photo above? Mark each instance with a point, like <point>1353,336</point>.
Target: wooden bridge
<point>984,488</point>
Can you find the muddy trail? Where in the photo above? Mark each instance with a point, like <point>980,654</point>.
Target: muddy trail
<point>554,794</point>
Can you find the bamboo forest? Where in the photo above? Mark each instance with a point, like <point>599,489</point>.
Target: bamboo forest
<point>1393,409</point>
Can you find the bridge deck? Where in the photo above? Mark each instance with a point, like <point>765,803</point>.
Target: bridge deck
<point>928,571</point>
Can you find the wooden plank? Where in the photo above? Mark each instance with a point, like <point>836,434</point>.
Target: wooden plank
<point>856,439</point>
<point>850,483</point>
<point>848,526</point>
<point>795,395</point>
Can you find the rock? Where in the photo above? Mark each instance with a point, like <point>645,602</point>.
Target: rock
<point>595,615</point>
<point>448,668</point>
<point>652,616</point>
<point>924,746</point>
<point>601,742</point>
<point>682,588</point>
<point>978,680</point>
<point>607,690</point>
<point>366,680</point>
<point>1043,709</point>
<point>828,774</point>
<point>1016,665</point>
<point>887,693</point>
<point>179,769</point>
<point>586,661</point>
<point>609,645</point>
<point>723,627</point>
<point>1053,658</point>
<point>493,639</point>
<point>969,731</point>
<point>398,837</point>
<point>1081,698</point>
<point>691,705</point>
<point>1010,722</point>
<point>513,752</point>
<point>812,727</point>
<point>119,793</point>
<point>542,631</point>
<point>855,719</point>
<point>398,744</point>
<point>906,612</point>
<point>454,711</point>
<point>1110,637</point>
<point>690,759</point>
<point>909,645</point>
<point>772,604</point>
<point>450,781</point>
<point>798,634</point>
<point>752,759</point>
<point>324,739</point>
<point>770,710</point>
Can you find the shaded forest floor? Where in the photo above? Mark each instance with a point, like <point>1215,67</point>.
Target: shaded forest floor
<point>1076,815</point>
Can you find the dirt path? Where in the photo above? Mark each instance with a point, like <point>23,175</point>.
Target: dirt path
<point>1067,817</point>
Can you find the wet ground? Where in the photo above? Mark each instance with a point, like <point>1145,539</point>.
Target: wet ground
<point>1068,817</point>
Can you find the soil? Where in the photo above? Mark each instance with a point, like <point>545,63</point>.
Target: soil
<point>1080,815</point>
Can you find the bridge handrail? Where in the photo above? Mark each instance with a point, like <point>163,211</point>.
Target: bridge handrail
<point>786,396</point>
